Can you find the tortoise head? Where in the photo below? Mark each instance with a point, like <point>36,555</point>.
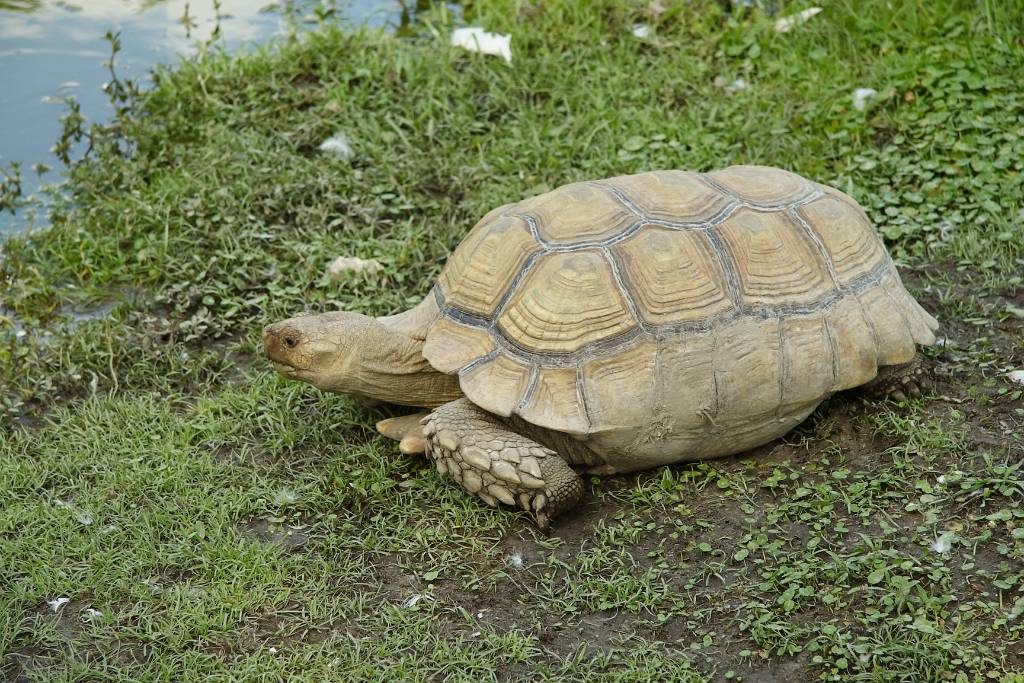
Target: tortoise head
<point>353,354</point>
<point>326,350</point>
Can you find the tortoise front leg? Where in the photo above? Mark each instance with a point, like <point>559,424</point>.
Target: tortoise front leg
<point>487,458</point>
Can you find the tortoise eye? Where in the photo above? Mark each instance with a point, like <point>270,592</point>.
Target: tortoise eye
<point>291,341</point>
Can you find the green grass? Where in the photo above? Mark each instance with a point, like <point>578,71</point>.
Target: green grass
<point>230,525</point>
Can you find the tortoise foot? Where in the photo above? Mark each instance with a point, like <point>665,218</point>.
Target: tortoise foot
<point>899,382</point>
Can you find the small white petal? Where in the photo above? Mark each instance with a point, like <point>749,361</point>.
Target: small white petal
<point>57,603</point>
<point>91,613</point>
<point>338,144</point>
<point>737,85</point>
<point>861,97</point>
<point>943,544</point>
<point>1017,376</point>
<point>784,24</point>
<point>475,39</point>
<point>641,30</point>
<point>413,599</point>
<point>285,497</point>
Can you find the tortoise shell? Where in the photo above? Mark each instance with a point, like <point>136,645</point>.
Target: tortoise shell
<point>676,298</point>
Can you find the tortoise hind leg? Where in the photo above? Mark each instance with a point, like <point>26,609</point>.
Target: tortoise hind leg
<point>897,382</point>
<point>487,458</point>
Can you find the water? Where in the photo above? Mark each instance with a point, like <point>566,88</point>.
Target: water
<point>53,49</point>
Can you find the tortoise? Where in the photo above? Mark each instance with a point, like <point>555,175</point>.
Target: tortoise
<point>623,324</point>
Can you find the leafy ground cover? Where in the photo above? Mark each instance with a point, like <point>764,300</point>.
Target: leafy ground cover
<point>209,521</point>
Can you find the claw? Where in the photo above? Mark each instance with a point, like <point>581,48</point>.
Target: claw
<point>543,521</point>
<point>407,431</point>
<point>412,445</point>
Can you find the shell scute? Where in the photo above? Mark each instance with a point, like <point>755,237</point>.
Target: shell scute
<point>685,380</point>
<point>567,300</point>
<point>775,261</point>
<point>762,185</point>
<point>581,212</point>
<point>616,387</point>
<point>675,196</point>
<point>674,275</point>
<point>854,351</point>
<point>747,370</point>
<point>496,385</point>
<point>847,236</point>
<point>451,346</point>
<point>893,338</point>
<point>555,402</point>
<point>808,370</point>
<point>485,264</point>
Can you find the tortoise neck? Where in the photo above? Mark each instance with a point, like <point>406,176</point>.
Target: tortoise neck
<point>392,369</point>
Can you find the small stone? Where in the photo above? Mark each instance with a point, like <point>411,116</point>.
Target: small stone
<point>505,470</point>
<point>476,457</point>
<point>530,481</point>
<point>345,265</point>
<point>524,501</point>
<point>530,466</point>
<point>472,482</point>
<point>502,494</point>
<point>539,502</point>
<point>489,499</point>
<point>447,440</point>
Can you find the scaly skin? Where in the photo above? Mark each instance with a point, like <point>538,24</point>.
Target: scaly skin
<point>488,459</point>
